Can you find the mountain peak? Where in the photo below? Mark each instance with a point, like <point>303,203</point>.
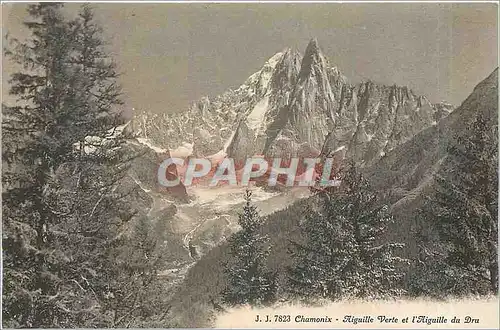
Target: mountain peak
<point>312,46</point>
<point>287,70</point>
<point>290,53</point>
<point>273,60</point>
<point>312,57</point>
<point>491,80</point>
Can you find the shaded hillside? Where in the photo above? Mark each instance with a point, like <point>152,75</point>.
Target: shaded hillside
<point>412,162</point>
<point>407,172</point>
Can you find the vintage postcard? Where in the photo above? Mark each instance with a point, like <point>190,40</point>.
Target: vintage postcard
<point>250,165</point>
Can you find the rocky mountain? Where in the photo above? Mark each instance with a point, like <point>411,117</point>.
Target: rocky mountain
<point>407,172</point>
<point>295,106</point>
<point>404,174</point>
<point>210,126</point>
<point>309,114</point>
<point>252,130</point>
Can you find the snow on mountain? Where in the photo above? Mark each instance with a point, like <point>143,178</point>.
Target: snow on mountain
<point>91,143</point>
<point>308,116</point>
<point>256,117</point>
<point>295,104</point>
<point>258,82</point>
<point>148,144</point>
<point>210,123</point>
<point>183,151</point>
<point>253,130</point>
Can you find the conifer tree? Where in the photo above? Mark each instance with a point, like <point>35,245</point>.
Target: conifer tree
<point>429,274</point>
<point>95,71</point>
<point>65,207</point>
<point>464,205</point>
<point>248,280</point>
<point>344,253</point>
<point>33,147</point>
<point>327,250</point>
<point>141,300</point>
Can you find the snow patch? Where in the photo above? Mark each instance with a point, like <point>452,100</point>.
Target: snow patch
<point>258,114</point>
<point>91,142</point>
<point>263,76</point>
<point>274,59</point>
<point>339,148</point>
<point>148,144</point>
<point>183,151</point>
<point>226,196</point>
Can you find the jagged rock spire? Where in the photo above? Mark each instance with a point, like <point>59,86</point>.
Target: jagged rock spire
<point>312,56</point>
<point>287,70</point>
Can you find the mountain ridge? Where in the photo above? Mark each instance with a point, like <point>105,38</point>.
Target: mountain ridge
<point>290,106</point>
<point>403,177</point>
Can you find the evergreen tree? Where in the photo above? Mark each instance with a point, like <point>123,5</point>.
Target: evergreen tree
<point>65,207</point>
<point>464,205</point>
<point>248,280</point>
<point>33,148</point>
<point>429,275</point>
<point>95,72</point>
<point>325,255</point>
<point>343,254</point>
<point>141,300</point>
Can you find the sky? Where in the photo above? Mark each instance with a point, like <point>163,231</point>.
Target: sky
<point>172,54</point>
